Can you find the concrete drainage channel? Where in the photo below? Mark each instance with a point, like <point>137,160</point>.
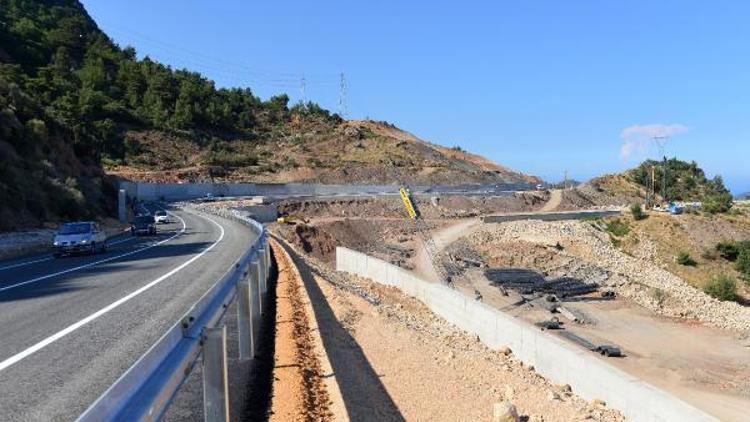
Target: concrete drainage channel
<point>556,359</point>
<point>146,390</point>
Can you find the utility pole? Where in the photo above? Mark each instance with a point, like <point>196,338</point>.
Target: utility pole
<point>342,96</point>
<point>661,143</point>
<point>565,180</point>
<point>652,190</point>
<point>302,85</point>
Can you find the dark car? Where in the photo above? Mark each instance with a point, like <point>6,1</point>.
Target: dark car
<point>143,224</point>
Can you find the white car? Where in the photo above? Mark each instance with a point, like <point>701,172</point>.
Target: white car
<point>80,237</point>
<point>161,217</point>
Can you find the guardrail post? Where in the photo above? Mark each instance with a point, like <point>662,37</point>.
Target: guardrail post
<point>215,381</point>
<point>255,291</point>
<point>263,270</point>
<point>245,320</point>
<point>268,259</point>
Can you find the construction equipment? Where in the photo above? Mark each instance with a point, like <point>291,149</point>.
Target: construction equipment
<point>424,233</point>
<point>290,219</point>
<point>406,197</point>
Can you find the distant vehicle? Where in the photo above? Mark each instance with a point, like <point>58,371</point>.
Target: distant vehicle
<point>675,209</point>
<point>143,224</point>
<point>540,187</point>
<point>161,217</point>
<point>79,237</point>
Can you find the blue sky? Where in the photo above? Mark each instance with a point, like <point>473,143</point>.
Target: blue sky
<point>541,86</point>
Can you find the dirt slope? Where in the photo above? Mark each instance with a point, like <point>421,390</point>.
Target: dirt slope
<point>309,150</point>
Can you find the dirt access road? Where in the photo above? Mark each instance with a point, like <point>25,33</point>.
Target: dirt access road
<point>442,237</point>
<point>457,229</point>
<point>554,202</point>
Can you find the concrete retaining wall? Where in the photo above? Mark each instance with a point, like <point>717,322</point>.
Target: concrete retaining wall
<point>549,216</point>
<point>561,362</point>
<point>186,191</point>
<point>262,213</point>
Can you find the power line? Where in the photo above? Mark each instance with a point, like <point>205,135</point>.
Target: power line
<point>246,68</point>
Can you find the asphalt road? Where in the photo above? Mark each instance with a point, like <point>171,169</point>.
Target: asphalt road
<point>70,327</point>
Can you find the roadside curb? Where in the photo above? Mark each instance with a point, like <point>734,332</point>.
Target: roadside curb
<point>337,405</point>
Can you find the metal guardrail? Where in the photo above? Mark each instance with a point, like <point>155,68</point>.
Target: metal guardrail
<point>146,389</point>
<point>550,216</point>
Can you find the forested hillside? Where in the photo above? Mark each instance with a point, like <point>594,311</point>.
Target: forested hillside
<point>76,109</point>
<point>685,182</point>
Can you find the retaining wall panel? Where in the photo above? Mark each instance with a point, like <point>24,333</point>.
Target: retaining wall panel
<point>484,321</point>
<point>552,357</point>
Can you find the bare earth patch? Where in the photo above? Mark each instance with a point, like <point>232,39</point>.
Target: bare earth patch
<point>298,390</point>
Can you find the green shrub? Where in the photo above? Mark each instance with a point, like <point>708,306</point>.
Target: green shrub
<point>722,287</point>
<point>743,260</point>
<point>637,212</point>
<point>618,227</point>
<point>728,249</point>
<point>659,295</point>
<point>718,203</point>
<point>684,258</point>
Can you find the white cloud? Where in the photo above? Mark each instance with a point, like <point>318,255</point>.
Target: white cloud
<point>637,139</point>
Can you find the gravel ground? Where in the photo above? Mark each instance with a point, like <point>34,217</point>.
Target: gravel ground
<point>298,391</point>
<point>637,278</point>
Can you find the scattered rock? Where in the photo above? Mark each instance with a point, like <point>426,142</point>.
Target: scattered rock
<point>590,256</point>
<point>505,412</point>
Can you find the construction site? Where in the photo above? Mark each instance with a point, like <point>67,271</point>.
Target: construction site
<point>200,219</point>
<point>544,258</point>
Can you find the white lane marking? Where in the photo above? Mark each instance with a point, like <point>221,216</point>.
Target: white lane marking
<point>101,261</point>
<point>48,258</point>
<point>21,264</point>
<point>73,327</point>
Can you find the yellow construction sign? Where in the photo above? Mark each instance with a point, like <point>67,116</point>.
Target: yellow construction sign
<point>407,203</point>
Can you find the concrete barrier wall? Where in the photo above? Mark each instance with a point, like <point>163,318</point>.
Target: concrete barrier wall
<point>262,213</point>
<point>186,191</point>
<point>549,216</point>
<point>559,361</point>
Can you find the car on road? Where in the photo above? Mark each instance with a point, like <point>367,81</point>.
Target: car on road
<point>79,237</point>
<point>161,217</point>
<point>143,224</point>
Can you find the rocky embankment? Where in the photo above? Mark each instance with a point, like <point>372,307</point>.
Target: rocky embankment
<point>638,279</point>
